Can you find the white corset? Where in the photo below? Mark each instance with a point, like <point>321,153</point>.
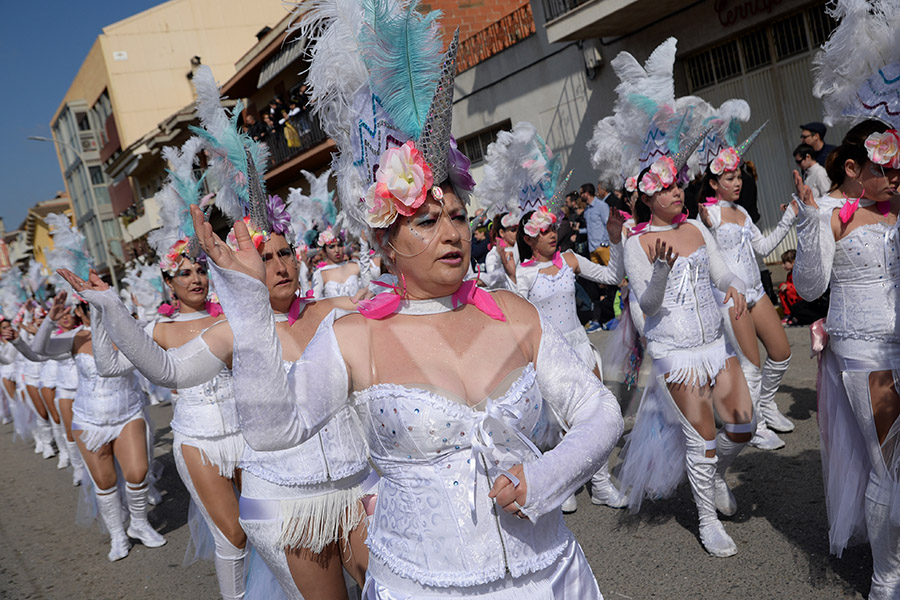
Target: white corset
<point>207,410</point>
<point>865,283</point>
<point>104,400</point>
<point>438,459</point>
<point>554,295</point>
<point>49,370</point>
<point>736,248</point>
<point>67,375</point>
<point>348,287</point>
<point>690,315</point>
<point>336,452</point>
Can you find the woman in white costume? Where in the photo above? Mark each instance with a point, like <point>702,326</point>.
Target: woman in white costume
<point>740,242</point>
<point>31,375</point>
<point>503,235</point>
<point>338,276</point>
<point>442,373</point>
<point>300,508</point>
<point>670,262</point>
<point>849,241</point>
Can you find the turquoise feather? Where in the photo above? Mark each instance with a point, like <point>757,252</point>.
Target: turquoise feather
<point>402,50</point>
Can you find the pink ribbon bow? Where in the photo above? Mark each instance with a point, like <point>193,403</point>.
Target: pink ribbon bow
<point>818,337</point>
<point>678,220</point>
<point>385,304</point>
<point>851,206</point>
<point>214,308</point>
<point>711,201</point>
<point>166,309</point>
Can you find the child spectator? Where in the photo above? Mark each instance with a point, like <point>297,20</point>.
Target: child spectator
<point>798,311</point>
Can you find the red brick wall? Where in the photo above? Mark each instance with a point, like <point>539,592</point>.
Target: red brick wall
<point>471,16</point>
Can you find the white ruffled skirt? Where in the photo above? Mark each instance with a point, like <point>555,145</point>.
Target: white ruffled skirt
<point>569,578</point>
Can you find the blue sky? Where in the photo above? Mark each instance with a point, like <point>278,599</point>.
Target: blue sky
<point>42,44</point>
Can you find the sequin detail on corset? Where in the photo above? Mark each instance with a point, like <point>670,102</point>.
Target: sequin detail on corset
<point>424,445</point>
<point>689,316</point>
<point>349,287</point>
<point>554,295</point>
<point>104,400</point>
<point>865,280</point>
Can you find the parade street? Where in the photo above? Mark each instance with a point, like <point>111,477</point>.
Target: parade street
<point>780,528</point>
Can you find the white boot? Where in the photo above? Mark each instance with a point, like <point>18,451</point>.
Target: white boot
<point>139,528</point>
<point>884,539</point>
<point>230,569</point>
<point>726,451</point>
<point>569,505</point>
<point>45,430</point>
<point>701,473</point>
<point>77,463</point>
<point>764,438</point>
<point>59,436</point>
<point>111,512</point>
<point>604,492</point>
<point>37,433</point>
<point>772,374</point>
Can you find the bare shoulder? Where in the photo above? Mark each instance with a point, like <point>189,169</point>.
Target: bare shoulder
<point>519,312</point>
<point>350,327</point>
<point>570,259</point>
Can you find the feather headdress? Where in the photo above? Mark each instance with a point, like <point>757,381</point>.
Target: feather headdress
<point>387,106</point>
<point>146,285</point>
<point>238,163</point>
<point>176,236</point>
<point>857,72</point>
<point>69,247</point>
<point>12,293</point>
<point>520,173</point>
<point>649,128</point>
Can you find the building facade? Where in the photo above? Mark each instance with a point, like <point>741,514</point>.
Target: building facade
<point>136,75</point>
<point>559,79</point>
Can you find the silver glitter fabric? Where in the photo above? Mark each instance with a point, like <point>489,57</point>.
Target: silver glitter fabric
<point>435,138</point>
<point>256,197</point>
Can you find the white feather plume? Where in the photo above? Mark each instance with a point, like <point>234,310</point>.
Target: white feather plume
<point>313,209</point>
<point>145,284</point>
<point>69,246</point>
<point>176,196</point>
<point>865,40</point>
<point>605,147</point>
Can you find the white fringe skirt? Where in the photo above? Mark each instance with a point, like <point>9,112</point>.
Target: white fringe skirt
<point>95,437</point>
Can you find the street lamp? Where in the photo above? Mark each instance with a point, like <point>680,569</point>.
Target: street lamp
<point>108,256</point>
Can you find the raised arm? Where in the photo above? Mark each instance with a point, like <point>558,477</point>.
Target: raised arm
<point>110,362</point>
<point>592,414</point>
<point>318,285</point>
<point>44,345</point>
<point>815,252</point>
<point>646,278</point>
<point>764,244</point>
<point>278,410</point>
<point>186,366</point>
<point>609,274</point>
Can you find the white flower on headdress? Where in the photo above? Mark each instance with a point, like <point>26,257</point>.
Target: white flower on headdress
<point>631,184</point>
<point>726,160</point>
<point>661,175</point>
<point>540,220</point>
<point>380,212</point>
<point>884,148</point>
<point>508,220</point>
<point>326,237</point>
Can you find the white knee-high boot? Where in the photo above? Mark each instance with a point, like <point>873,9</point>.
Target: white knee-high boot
<point>139,527</point>
<point>45,430</point>
<point>772,374</point>
<point>230,563</point>
<point>77,463</point>
<point>726,451</point>
<point>604,492</point>
<point>763,438</point>
<point>111,512</point>
<point>59,436</point>
<point>884,539</point>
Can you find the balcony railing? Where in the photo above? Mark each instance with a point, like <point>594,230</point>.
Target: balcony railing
<point>557,8</point>
<point>498,36</point>
<point>284,145</point>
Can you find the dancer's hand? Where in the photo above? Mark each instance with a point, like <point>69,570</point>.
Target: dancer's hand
<point>804,191</point>
<point>740,303</point>
<point>508,496</point>
<point>58,309</point>
<point>614,225</point>
<point>663,252</point>
<point>10,334</point>
<point>244,260</point>
<point>704,216</point>
<point>508,260</point>
<point>93,284</point>
<point>363,293</point>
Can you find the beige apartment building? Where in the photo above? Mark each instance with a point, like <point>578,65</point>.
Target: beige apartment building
<point>136,75</point>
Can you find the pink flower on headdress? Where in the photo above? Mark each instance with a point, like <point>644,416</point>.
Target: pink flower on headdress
<point>174,256</point>
<point>726,160</point>
<point>631,184</point>
<point>540,220</point>
<point>257,237</point>
<point>884,148</point>
<point>404,178</point>
<point>661,175</point>
<point>326,237</point>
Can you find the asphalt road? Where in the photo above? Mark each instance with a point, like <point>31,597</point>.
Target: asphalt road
<point>780,528</point>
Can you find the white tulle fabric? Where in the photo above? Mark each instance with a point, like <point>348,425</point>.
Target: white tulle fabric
<point>740,244</point>
<point>425,527</point>
<point>682,321</point>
